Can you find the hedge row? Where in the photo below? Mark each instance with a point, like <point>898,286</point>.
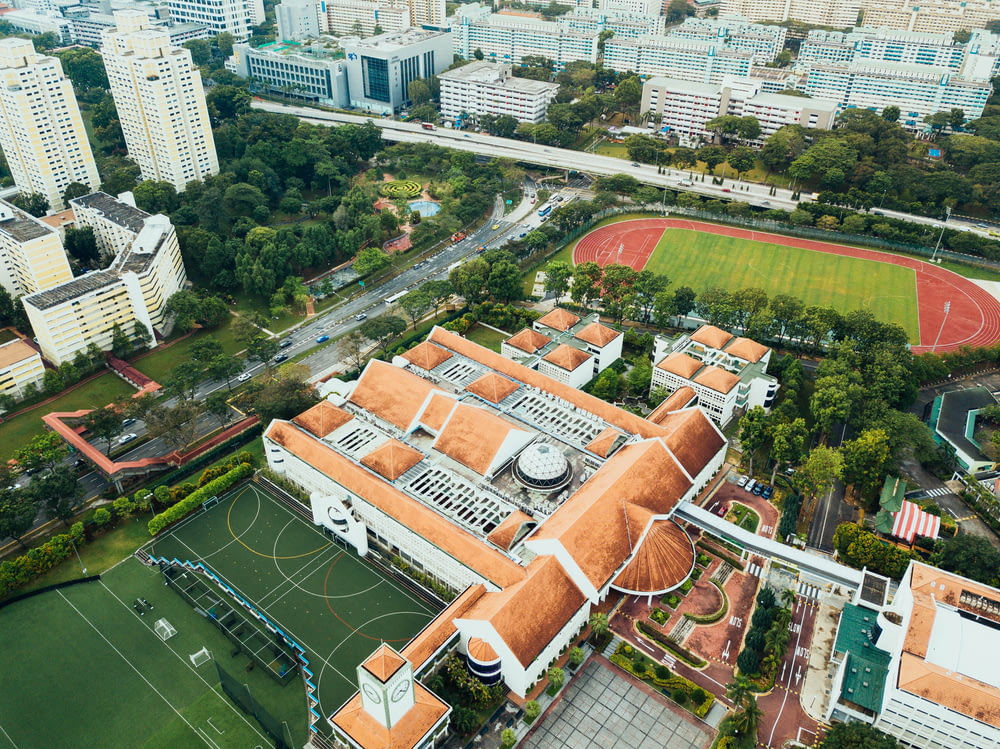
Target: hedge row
<point>194,499</point>
<point>209,456</point>
<point>668,686</point>
<point>790,507</point>
<point>17,572</point>
<point>681,652</point>
<point>715,616</point>
<point>721,554</point>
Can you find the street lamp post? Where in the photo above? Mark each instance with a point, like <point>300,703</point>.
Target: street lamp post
<point>84,569</point>
<point>947,215</point>
<point>947,309</point>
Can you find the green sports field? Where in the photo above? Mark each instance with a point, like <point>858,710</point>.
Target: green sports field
<point>701,260</point>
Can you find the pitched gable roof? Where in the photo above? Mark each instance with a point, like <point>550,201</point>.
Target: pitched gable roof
<point>692,438</point>
<point>566,357</point>
<point>709,335</point>
<point>426,355</point>
<point>509,529</point>
<point>597,334</point>
<point>391,393</point>
<point>441,628</point>
<point>559,319</point>
<point>479,439</point>
<point>323,418</point>
<point>492,387</point>
<point>528,340</point>
<point>677,400</point>
<point>680,364</point>
<point>717,379</point>
<point>436,411</point>
<point>392,459</point>
<point>747,349</point>
<point>605,442</point>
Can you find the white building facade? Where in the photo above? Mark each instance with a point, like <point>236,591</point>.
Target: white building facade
<point>236,17</point>
<point>31,253</point>
<point>363,17</point>
<point>837,14</point>
<point>293,70</point>
<point>297,19</point>
<point>684,59</point>
<point>160,101</point>
<point>41,130</point>
<point>490,88</point>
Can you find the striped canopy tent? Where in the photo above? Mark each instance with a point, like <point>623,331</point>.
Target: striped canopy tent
<point>911,522</point>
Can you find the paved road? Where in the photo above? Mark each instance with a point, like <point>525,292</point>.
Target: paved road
<point>831,510</point>
<point>489,145</point>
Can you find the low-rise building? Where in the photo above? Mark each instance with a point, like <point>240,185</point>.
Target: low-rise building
<point>726,373</point>
<point>566,347</point>
<point>31,253</point>
<point>490,88</point>
<point>130,294</point>
<point>310,72</point>
<point>380,68</point>
<point>953,419</point>
<point>918,668</point>
<point>35,22</point>
<point>20,366</point>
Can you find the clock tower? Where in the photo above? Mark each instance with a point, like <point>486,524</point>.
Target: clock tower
<point>386,683</point>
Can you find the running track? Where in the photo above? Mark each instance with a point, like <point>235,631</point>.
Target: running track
<point>974,319</point>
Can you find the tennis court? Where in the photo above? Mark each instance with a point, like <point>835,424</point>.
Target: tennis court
<point>333,604</point>
<point>82,668</point>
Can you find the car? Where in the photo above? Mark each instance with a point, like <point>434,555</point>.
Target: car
<point>79,463</point>
<point>726,189</point>
<point>878,213</point>
<point>765,202</point>
<point>495,227</point>
<point>466,135</point>
<point>789,471</point>
<point>126,438</point>
<point>749,485</point>
<point>285,342</point>
<point>245,376</point>
<point>128,422</point>
<point>685,183</point>
<point>743,481</point>
<point>323,339</point>
<point>522,234</point>
<point>280,358</point>
<point>768,492</point>
<point>757,489</point>
<point>361,317</point>
<point>636,163</point>
<point>532,200</point>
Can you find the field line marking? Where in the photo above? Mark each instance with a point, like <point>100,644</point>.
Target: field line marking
<point>186,662</point>
<point>130,664</point>
<point>290,583</point>
<point>12,742</point>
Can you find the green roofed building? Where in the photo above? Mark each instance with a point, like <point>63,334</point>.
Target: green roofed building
<point>862,667</point>
<point>890,501</point>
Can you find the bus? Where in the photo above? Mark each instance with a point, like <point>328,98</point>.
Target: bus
<point>428,126</point>
<point>545,210</point>
<point>396,297</point>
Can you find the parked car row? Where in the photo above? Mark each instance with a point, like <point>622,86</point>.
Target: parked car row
<point>757,488</point>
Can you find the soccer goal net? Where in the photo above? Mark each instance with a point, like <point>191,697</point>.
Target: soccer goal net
<point>202,656</point>
<point>164,629</point>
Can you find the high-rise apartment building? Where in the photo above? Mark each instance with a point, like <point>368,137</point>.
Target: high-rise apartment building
<point>428,14</point>
<point>930,15</point>
<point>363,17</point>
<point>838,14</point>
<point>160,101</point>
<point>297,19</point>
<point>31,253</point>
<point>41,132</point>
<point>237,17</point>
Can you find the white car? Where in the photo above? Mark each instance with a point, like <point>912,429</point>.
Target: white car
<point>126,438</point>
<point>245,376</point>
<point>743,481</point>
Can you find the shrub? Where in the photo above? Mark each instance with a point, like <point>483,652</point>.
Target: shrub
<point>681,652</point>
<point>196,497</point>
<point>401,188</point>
<point>680,696</point>
<point>102,516</point>
<point>766,598</point>
<point>21,570</point>
<point>716,615</point>
<point>531,711</point>
<point>576,656</point>
<point>659,616</point>
<point>507,738</point>
<point>704,560</point>
<point>686,586</point>
<point>662,672</point>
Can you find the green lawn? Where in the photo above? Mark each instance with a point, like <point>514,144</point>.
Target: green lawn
<point>487,337</point>
<point>159,363</point>
<point>700,260</point>
<point>85,655</point>
<point>98,392</point>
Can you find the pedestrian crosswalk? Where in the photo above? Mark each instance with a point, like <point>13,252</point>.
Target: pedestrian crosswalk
<point>754,569</point>
<point>939,492</point>
<point>809,591</point>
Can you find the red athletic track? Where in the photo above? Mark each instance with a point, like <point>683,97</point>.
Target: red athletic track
<point>974,319</point>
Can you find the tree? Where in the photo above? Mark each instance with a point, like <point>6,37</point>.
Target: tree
<point>17,514</point>
<point>607,385</point>
<point>556,677</point>
<point>42,452</point>
<point>891,113</point>
<point>712,156</point>
<point>753,433</point>
<point>628,93</point>
<point>57,492</point>
<point>156,196</point>
<point>745,723</point>
<point>788,439</point>
<point>104,423</point>
<point>599,624</point>
<point>857,735</point>
<point>617,286</point>
<point>177,425</point>
<point>184,380</point>
<point>739,691</point>
<point>84,67</point>
<point>382,330</point>
<point>678,10</point>
<point>82,245</point>
<point>419,92</point>
<point>742,159</point>
<point>75,190</point>
<point>532,710</point>
<point>817,474</point>
<point>286,395</point>
<point>507,738</point>
<point>831,402</point>
<point>369,260</point>
<point>31,202</point>
<point>185,306</point>
<point>224,367</point>
<point>866,461</point>
<point>558,275</point>
<point>416,304</point>
<point>121,344</point>
<point>356,346</point>
<point>504,282</point>
<point>217,404</point>
<point>587,279</point>
<point>970,556</point>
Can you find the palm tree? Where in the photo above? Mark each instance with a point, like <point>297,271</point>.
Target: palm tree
<point>745,723</point>
<point>599,624</point>
<point>740,692</point>
<point>771,662</point>
<point>788,596</point>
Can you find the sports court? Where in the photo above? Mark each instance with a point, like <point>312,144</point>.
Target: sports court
<point>333,604</point>
<point>910,292</point>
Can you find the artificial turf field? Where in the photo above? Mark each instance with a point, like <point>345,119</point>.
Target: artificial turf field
<point>83,669</point>
<point>701,260</point>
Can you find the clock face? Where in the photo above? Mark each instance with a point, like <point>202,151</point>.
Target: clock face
<point>401,690</point>
<point>372,693</point>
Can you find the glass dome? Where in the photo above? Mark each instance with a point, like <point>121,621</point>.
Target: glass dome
<point>543,468</point>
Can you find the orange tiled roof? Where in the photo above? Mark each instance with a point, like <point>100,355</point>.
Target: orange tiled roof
<point>383,663</point>
<point>711,336</point>
<point>624,420</point>
<point>392,459</point>
<point>592,524</point>
<point>436,412</point>
<point>14,352</point>
<point>597,334</point>
<point>323,418</point>
<point>680,364</point>
<point>426,355</point>
<point>391,393</point>
<point>458,543</point>
<point>481,651</point>
<point>717,379</point>
<point>473,436</point>
<point>677,400</point>
<point>603,443</point>
<point>409,731</point>
<point>566,357</point>
<point>492,387</point>
<point>747,349</point>
<point>440,629</point>
<point>529,614</point>
<point>692,438</point>
<point>558,319</point>
<point>505,533</point>
<point>662,562</point>
<point>528,340</point>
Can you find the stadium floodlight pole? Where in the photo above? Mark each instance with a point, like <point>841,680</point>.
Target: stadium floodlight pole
<point>84,569</point>
<point>947,215</point>
<point>947,309</point>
